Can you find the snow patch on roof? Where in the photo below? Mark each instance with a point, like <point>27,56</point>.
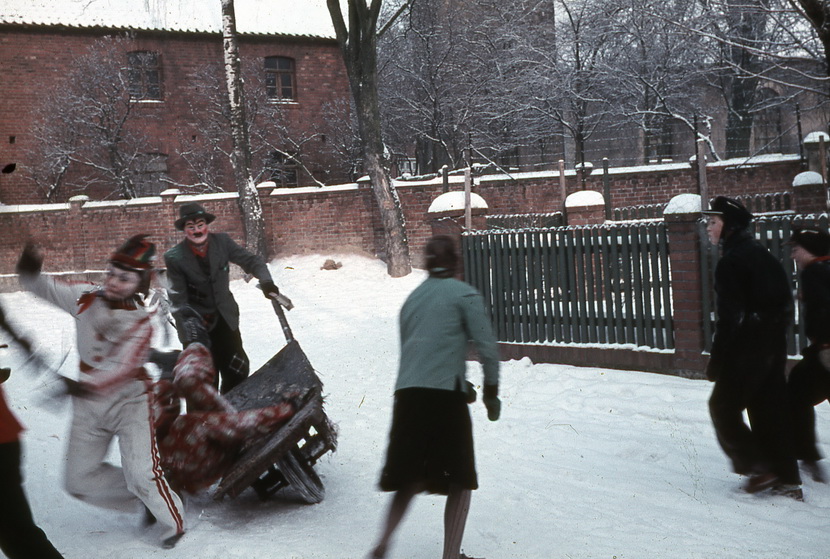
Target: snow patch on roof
<point>683,204</point>
<point>584,198</point>
<point>309,18</point>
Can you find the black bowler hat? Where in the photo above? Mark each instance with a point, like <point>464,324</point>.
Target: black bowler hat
<point>192,211</point>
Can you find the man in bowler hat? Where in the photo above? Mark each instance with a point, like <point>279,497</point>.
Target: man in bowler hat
<point>198,271</point>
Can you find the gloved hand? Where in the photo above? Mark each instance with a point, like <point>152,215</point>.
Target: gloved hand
<point>30,262</point>
<point>191,327</point>
<point>269,289</point>
<point>491,401</point>
<point>165,361</point>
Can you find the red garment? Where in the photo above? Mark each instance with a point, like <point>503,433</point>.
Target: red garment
<point>10,427</point>
<point>198,447</point>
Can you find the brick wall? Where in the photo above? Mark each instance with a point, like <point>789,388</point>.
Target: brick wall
<point>80,235</point>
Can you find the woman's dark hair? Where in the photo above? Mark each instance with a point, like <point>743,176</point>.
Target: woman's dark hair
<point>441,258</point>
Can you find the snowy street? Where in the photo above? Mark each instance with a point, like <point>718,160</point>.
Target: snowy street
<point>584,463</point>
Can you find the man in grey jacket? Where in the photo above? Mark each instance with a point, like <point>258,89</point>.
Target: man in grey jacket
<point>198,272</point>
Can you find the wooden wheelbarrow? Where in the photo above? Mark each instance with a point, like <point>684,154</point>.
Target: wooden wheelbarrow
<point>286,457</point>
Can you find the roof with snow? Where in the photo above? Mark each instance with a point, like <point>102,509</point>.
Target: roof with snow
<point>306,18</point>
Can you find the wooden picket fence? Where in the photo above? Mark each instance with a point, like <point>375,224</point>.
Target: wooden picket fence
<point>607,284</point>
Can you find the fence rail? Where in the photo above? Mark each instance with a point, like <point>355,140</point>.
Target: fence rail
<point>597,284</point>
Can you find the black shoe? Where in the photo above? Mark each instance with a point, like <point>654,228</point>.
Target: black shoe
<point>759,482</point>
<point>170,543</point>
<point>790,490</point>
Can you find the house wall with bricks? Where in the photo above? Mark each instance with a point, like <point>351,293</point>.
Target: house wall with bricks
<point>36,58</point>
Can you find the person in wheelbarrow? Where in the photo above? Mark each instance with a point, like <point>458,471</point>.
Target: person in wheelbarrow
<point>431,440</point>
<point>198,275</point>
<point>198,447</point>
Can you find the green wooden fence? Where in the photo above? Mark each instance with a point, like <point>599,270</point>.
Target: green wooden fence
<point>606,284</point>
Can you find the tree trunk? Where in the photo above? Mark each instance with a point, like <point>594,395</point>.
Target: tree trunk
<point>249,204</point>
<point>358,44</point>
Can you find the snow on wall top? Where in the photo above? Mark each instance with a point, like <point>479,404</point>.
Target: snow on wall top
<point>584,198</point>
<point>455,201</point>
<point>807,178</point>
<point>309,18</point>
<point>683,204</point>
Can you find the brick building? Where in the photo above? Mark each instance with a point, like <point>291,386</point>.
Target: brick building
<point>170,59</point>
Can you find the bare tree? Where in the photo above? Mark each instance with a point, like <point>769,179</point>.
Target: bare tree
<point>249,204</point>
<point>84,139</point>
<point>358,44</point>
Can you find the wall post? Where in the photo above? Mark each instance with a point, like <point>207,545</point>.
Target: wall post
<point>687,293</point>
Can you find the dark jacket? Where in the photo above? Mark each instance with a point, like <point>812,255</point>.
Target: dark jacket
<point>814,290</point>
<point>208,291</point>
<point>754,306</point>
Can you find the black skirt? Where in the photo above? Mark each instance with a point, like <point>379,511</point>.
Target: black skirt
<point>430,442</point>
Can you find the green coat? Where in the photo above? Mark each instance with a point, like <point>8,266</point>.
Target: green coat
<point>436,322</point>
<point>210,294</point>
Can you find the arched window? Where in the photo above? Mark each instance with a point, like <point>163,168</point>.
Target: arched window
<point>280,78</point>
<point>144,75</point>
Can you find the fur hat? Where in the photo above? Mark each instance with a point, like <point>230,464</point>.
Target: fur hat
<point>814,240</point>
<point>135,255</point>
<point>734,214</point>
<point>192,211</point>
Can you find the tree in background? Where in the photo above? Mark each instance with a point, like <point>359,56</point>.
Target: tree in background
<point>358,44</point>
<point>249,205</point>
<point>83,137</point>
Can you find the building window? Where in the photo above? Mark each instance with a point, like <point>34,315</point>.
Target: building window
<point>767,125</point>
<point>280,79</point>
<point>151,176</point>
<point>144,75</point>
<point>282,169</point>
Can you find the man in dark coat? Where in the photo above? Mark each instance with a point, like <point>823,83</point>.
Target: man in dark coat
<point>749,354</point>
<point>198,272</point>
<point>809,381</point>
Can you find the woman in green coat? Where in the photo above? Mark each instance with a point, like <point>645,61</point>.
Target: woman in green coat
<point>431,440</point>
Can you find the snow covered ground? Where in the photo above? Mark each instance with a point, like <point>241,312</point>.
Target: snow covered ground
<point>584,463</point>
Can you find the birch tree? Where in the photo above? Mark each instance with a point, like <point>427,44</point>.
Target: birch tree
<point>358,45</point>
<point>249,204</point>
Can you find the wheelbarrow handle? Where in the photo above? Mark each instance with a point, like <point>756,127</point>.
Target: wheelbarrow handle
<point>286,329</point>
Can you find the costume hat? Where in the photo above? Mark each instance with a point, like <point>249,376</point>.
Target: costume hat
<point>135,255</point>
<point>812,239</point>
<point>734,214</point>
<point>190,211</point>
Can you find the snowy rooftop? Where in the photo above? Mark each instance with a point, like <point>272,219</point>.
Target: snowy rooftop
<point>309,18</point>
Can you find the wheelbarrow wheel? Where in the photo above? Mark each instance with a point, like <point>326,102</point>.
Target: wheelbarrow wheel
<point>301,476</point>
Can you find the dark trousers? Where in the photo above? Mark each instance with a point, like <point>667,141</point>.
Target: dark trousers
<point>808,386</point>
<point>757,385</point>
<point>229,357</point>
<point>20,538</point>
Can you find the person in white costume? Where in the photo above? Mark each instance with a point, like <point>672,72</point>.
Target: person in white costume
<point>112,396</point>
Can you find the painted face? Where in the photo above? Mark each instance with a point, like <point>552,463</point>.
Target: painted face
<point>801,256</point>
<point>120,284</point>
<point>714,227</point>
<point>196,231</point>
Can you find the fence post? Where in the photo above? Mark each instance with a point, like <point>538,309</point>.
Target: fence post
<point>687,293</point>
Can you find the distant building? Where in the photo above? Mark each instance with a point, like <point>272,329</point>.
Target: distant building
<point>172,68</point>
